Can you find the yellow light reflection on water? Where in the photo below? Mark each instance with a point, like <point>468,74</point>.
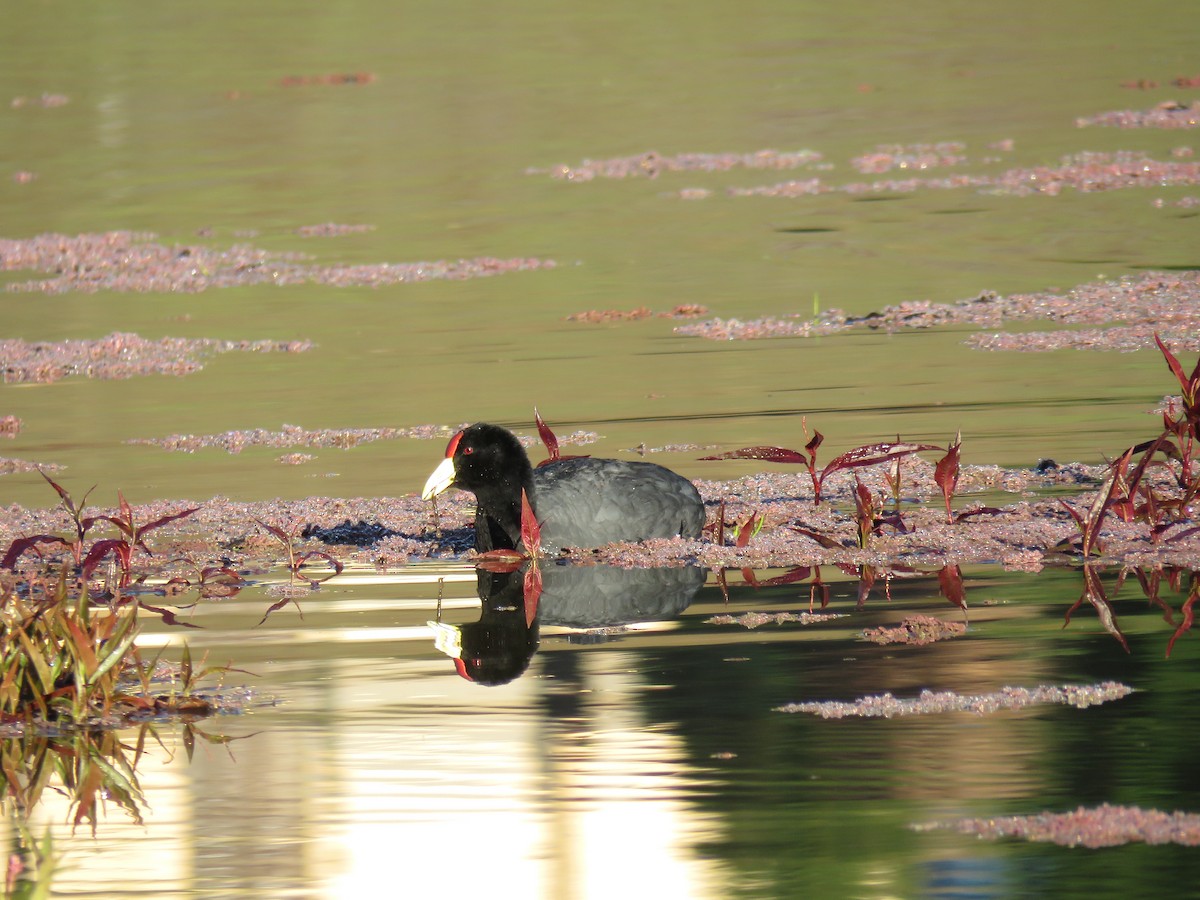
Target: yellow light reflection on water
<point>450,797</point>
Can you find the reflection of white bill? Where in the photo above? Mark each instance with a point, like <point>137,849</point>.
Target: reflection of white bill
<point>447,638</point>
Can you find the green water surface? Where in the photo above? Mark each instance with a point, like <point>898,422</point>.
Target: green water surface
<point>378,762</point>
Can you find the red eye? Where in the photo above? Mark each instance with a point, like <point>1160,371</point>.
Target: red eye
<point>467,451</point>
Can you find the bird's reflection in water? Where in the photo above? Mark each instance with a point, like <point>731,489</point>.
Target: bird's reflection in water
<point>497,648</point>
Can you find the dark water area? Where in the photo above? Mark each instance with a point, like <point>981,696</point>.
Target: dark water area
<point>653,758</point>
<point>647,757</point>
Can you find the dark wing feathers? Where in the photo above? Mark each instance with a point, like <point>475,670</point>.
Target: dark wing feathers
<point>589,502</point>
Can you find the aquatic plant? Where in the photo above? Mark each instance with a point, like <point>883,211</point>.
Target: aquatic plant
<point>1090,522</point>
<point>296,560</point>
<point>122,548</point>
<point>211,581</point>
<point>1188,610</point>
<point>870,517</point>
<point>296,557</point>
<point>1131,494</point>
<point>61,658</point>
<point>867,455</point>
<point>30,866</point>
<point>743,531</point>
<point>507,559</point>
<point>1186,426</point>
<point>91,769</point>
<point>546,433</point>
<point>133,538</point>
<point>69,662</point>
<point>748,529</point>
<point>916,630</point>
<point>1095,594</point>
<point>946,472</point>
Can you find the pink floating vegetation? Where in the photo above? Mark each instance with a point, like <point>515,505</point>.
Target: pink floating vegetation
<point>755,619</point>
<point>887,706</point>
<point>652,164</point>
<point>296,459</point>
<point>288,436</point>
<point>682,311</point>
<point>331,229</point>
<point>1084,172</point>
<point>1168,114</point>
<point>1135,308</point>
<point>1093,827</point>
<point>11,466</point>
<point>45,101</point>
<point>128,261</point>
<point>915,630</point>
<point>912,157</point>
<point>120,355</point>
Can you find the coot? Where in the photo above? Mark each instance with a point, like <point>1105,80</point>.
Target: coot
<point>580,502</point>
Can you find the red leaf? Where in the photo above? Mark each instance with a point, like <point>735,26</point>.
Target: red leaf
<point>799,573</point>
<point>871,454</point>
<point>716,528</point>
<point>169,616</point>
<point>747,529</point>
<point>945,473</point>
<point>770,454</point>
<point>824,540</point>
<point>818,585</point>
<point>1186,624</point>
<point>950,582</point>
<point>320,554</point>
<point>1093,592</point>
<point>278,532</point>
<point>532,593</point>
<point>546,435</point>
<point>68,503</point>
<point>863,503</point>
<point>1173,364</point>
<point>1188,532</point>
<point>531,530</point>
<point>21,545</point>
<point>501,561</point>
<point>210,572</point>
<point>866,581</point>
<point>126,509</point>
<point>122,525</point>
<point>158,523</point>
<point>813,444</point>
<point>978,511</point>
<point>1074,513</point>
<point>278,605</point>
<point>101,549</point>
<point>722,584</point>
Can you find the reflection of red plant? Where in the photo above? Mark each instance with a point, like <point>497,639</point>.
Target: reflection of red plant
<point>1094,593</point>
<point>295,562</point>
<point>531,529</point>
<point>1188,613</point>
<point>510,560</point>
